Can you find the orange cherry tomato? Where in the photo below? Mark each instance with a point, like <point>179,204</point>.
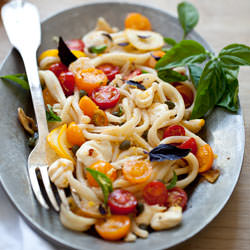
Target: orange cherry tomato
<point>90,79</point>
<point>48,98</point>
<point>99,118</point>
<point>114,227</point>
<point>187,94</point>
<point>155,56</point>
<point>205,158</point>
<point>87,106</point>
<point>137,21</point>
<point>103,167</point>
<point>74,134</point>
<point>137,171</point>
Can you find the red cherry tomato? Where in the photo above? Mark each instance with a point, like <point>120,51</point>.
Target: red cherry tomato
<point>67,81</point>
<point>174,130</point>
<point>132,74</point>
<point>155,192</point>
<point>122,202</point>
<point>75,44</point>
<point>177,197</point>
<point>110,70</point>
<point>106,96</point>
<point>190,144</point>
<point>187,94</point>
<point>58,68</point>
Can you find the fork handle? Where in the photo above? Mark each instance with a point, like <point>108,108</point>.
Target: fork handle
<point>30,63</point>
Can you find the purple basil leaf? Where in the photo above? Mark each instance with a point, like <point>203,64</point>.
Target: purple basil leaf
<point>136,84</point>
<point>66,56</point>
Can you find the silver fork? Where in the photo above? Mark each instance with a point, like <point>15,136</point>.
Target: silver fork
<point>22,24</point>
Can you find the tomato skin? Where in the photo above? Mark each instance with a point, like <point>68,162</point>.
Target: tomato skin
<point>137,21</point>
<point>122,202</point>
<point>177,197</point>
<point>58,68</point>
<point>132,74</point>
<point>174,130</point>
<point>75,44</point>
<point>155,193</point>
<point>205,157</point>
<point>106,96</point>
<point>67,81</point>
<point>114,227</point>
<point>189,144</point>
<point>48,98</point>
<point>74,134</point>
<point>187,94</point>
<point>110,70</point>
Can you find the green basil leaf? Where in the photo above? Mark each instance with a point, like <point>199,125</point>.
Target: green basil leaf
<point>20,79</point>
<point>104,182</point>
<point>170,41</point>
<point>183,53</point>
<point>51,116</point>
<point>230,98</point>
<point>188,16</point>
<point>210,90</point>
<point>169,75</point>
<point>97,49</point>
<point>144,71</point>
<point>235,54</point>
<point>173,181</point>
<point>195,72</point>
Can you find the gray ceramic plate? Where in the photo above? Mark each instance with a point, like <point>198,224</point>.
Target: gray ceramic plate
<point>224,131</point>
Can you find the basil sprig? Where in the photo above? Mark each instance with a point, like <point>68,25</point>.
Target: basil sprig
<point>20,79</point>
<point>195,72</point>
<point>173,181</point>
<point>170,41</point>
<point>170,75</point>
<point>51,116</point>
<point>97,49</point>
<point>104,182</point>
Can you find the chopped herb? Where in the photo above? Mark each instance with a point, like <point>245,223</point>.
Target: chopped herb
<point>32,140</point>
<point>108,36</point>
<point>97,49</point>
<point>136,84</point>
<point>123,44</point>
<point>126,144</point>
<point>170,104</point>
<point>118,113</point>
<point>51,116</point>
<point>75,148</point>
<point>144,71</point>
<point>66,56</point>
<point>20,79</point>
<point>173,181</point>
<point>82,93</point>
<point>102,209</point>
<point>143,36</point>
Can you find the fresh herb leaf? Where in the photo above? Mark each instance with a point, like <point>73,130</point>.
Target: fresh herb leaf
<point>136,84</point>
<point>20,79</point>
<point>118,113</point>
<point>167,152</point>
<point>183,53</point>
<point>210,90</point>
<point>169,75</point>
<point>66,56</point>
<point>230,98</point>
<point>195,72</point>
<point>235,54</point>
<point>144,71</point>
<point>104,182</point>
<point>188,17</point>
<point>173,181</point>
<point>51,116</point>
<point>97,49</point>
<point>170,41</point>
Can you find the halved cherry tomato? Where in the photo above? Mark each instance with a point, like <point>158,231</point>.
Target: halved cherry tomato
<point>67,81</point>
<point>189,144</point>
<point>137,171</point>
<point>90,79</point>
<point>137,21</point>
<point>88,106</point>
<point>103,167</point>
<point>74,134</point>
<point>205,157</point>
<point>122,202</point>
<point>187,94</point>
<point>155,56</point>
<point>48,98</point>
<point>155,192</point>
<point>132,74</point>
<point>58,68</point>
<point>110,70</point>
<point>114,227</point>
<point>106,96</point>
<point>48,53</point>
<point>75,44</point>
<point>174,130</point>
<point>177,197</point>
<point>99,118</point>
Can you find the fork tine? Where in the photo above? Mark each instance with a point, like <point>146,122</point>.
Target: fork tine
<point>62,196</point>
<point>36,188</point>
<point>46,182</point>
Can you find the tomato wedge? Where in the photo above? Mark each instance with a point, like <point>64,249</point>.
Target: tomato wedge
<point>189,144</point>
<point>122,202</point>
<point>177,197</point>
<point>75,44</point>
<point>106,96</point>
<point>67,81</point>
<point>205,157</point>
<point>174,130</point>
<point>114,227</point>
<point>187,94</point>
<point>74,134</point>
<point>58,68</point>
<point>132,74</point>
<point>155,192</point>
<point>110,70</point>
